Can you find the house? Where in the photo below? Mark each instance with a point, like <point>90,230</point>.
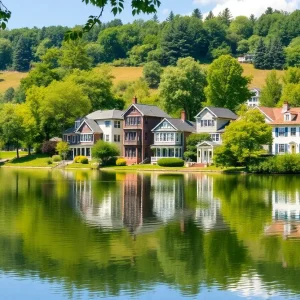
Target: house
<point>170,137</point>
<point>285,124</point>
<point>212,120</point>
<point>139,120</point>
<point>254,100</point>
<point>105,125</point>
<point>247,58</point>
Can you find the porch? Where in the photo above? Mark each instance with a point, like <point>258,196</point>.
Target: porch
<point>205,152</point>
<point>81,150</point>
<point>165,152</point>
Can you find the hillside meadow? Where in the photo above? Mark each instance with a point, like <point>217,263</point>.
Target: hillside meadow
<point>12,79</point>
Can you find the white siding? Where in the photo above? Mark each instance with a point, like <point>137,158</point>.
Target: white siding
<point>291,142</point>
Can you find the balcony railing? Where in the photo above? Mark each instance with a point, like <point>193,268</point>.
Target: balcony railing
<point>132,142</point>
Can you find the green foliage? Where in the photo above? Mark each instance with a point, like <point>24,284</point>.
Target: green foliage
<point>170,162</point>
<point>104,152</point>
<point>56,158</point>
<point>191,144</point>
<point>79,159</point>
<point>22,54</point>
<point>49,161</point>
<point>84,161</point>
<point>284,164</point>
<point>271,92</point>
<point>152,72</point>
<point>197,13</point>
<point>62,148</point>
<point>243,140</point>
<point>260,56</point>
<point>241,26</point>
<point>243,47</point>
<point>6,52</point>
<point>182,87</point>
<point>277,54</point>
<point>9,95</point>
<point>49,147</point>
<point>224,49</point>
<point>121,162</point>
<point>291,94</point>
<point>227,87</point>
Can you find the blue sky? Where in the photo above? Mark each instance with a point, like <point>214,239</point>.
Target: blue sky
<point>40,13</point>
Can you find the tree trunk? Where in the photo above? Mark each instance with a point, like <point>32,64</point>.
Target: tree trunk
<point>29,152</point>
<point>17,151</point>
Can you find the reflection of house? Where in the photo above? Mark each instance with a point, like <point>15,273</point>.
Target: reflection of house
<point>285,124</point>
<point>285,214</point>
<point>212,120</point>
<point>207,214</point>
<point>170,137</point>
<point>168,196</point>
<point>254,100</point>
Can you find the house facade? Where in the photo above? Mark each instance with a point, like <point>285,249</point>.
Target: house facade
<point>139,120</point>
<point>170,137</point>
<point>254,100</point>
<point>212,120</point>
<point>99,125</point>
<point>285,124</point>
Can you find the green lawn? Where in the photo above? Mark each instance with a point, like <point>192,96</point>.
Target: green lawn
<point>34,160</point>
<point>11,154</point>
<point>79,166</point>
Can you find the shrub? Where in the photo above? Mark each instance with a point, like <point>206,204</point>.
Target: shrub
<point>121,162</point>
<point>56,158</point>
<point>105,152</point>
<point>49,147</point>
<point>170,162</point>
<point>49,161</point>
<point>84,160</point>
<point>78,159</point>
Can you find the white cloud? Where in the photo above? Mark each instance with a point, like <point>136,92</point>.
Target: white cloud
<point>248,7</point>
<point>165,11</point>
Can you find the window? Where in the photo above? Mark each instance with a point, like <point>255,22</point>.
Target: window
<point>207,123</point>
<point>281,131</point>
<point>117,124</point>
<point>86,138</point>
<point>68,138</point>
<point>293,131</point>
<point>157,139</point>
<point>215,137</point>
<point>117,138</point>
<point>77,124</point>
<point>287,117</point>
<point>107,123</point>
<point>73,138</point>
<point>281,148</point>
<point>133,121</point>
<point>107,137</point>
<point>130,136</point>
<point>88,151</point>
<point>130,152</point>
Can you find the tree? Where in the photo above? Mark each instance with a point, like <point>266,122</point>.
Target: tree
<point>293,53</point>
<point>151,73</point>
<point>42,48</point>
<point>95,52</point>
<point>5,53</point>
<point>291,94</point>
<point>223,49</point>
<point>105,151</point>
<point>210,16</point>
<point>62,148</point>
<point>271,92</point>
<point>74,56</point>
<point>243,139</point>
<point>9,95</point>
<point>197,13</point>
<point>277,55</point>
<point>155,18</point>
<point>292,75</point>
<point>242,27</point>
<point>260,56</point>
<point>51,58</point>
<point>182,87</point>
<point>227,87</point>
<point>22,54</point>
<point>171,17</point>
<point>49,147</point>
<point>226,16</point>
<point>191,144</point>
<point>243,47</point>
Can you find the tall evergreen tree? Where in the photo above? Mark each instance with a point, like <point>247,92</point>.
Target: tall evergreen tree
<point>155,18</point>
<point>260,55</point>
<point>197,13</point>
<point>269,57</point>
<point>22,55</point>
<point>171,16</point>
<point>277,52</point>
<point>252,19</point>
<point>226,16</point>
<point>210,16</point>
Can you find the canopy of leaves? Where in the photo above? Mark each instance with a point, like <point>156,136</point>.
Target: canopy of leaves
<point>104,151</point>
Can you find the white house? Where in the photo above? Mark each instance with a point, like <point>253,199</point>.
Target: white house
<point>285,124</point>
<point>212,120</point>
<point>254,100</point>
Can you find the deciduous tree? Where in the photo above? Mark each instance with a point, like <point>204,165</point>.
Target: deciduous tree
<point>104,151</point>
<point>271,91</point>
<point>152,72</point>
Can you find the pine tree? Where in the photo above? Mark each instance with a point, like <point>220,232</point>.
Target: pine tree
<point>226,16</point>
<point>277,52</point>
<point>252,19</point>
<point>210,16</point>
<point>260,55</point>
<point>155,18</point>
<point>269,57</point>
<point>171,16</point>
<point>22,55</point>
<point>197,13</point>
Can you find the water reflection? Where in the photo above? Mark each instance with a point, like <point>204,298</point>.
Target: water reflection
<point>129,234</point>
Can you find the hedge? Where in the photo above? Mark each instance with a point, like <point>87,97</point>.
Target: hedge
<point>56,158</point>
<point>80,158</point>
<point>170,162</point>
<point>121,162</point>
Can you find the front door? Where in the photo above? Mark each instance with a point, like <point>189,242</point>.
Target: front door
<point>293,149</point>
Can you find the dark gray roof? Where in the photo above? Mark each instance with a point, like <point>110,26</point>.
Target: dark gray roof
<point>93,125</point>
<point>186,126</point>
<point>223,112</point>
<point>69,130</point>
<point>105,114</point>
<point>151,111</point>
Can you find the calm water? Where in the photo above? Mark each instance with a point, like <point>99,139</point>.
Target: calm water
<point>89,235</point>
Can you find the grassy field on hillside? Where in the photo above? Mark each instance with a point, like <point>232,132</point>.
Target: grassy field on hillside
<point>12,79</point>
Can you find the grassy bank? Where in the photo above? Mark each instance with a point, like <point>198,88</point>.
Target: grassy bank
<point>11,154</point>
<point>34,160</point>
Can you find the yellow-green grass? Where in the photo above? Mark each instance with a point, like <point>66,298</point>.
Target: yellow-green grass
<point>126,73</point>
<point>10,79</point>
<point>34,160</point>
<point>11,154</point>
<point>79,166</point>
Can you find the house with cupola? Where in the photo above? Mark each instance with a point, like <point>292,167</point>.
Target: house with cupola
<point>285,122</point>
<point>170,137</point>
<point>212,120</point>
<point>254,100</point>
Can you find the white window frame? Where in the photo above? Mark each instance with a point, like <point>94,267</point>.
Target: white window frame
<point>281,148</point>
<point>293,133</point>
<point>107,138</point>
<point>117,124</point>
<point>281,131</point>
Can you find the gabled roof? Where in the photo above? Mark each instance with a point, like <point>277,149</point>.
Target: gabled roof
<point>220,112</point>
<point>179,125</point>
<point>91,124</point>
<point>148,110</point>
<point>276,115</point>
<point>69,130</point>
<point>106,114</point>
<point>213,144</point>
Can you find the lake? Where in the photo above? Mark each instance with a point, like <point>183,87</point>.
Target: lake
<point>91,235</point>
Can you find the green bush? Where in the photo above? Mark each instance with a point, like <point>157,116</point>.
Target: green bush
<point>56,158</point>
<point>170,162</point>
<point>78,159</point>
<point>49,161</point>
<point>288,163</point>
<point>84,160</point>
<point>121,162</point>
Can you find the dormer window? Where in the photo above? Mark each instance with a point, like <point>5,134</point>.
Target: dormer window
<point>77,124</point>
<point>287,117</point>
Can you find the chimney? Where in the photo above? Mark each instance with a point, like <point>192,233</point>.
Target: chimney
<point>134,100</point>
<point>285,106</point>
<point>183,116</point>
